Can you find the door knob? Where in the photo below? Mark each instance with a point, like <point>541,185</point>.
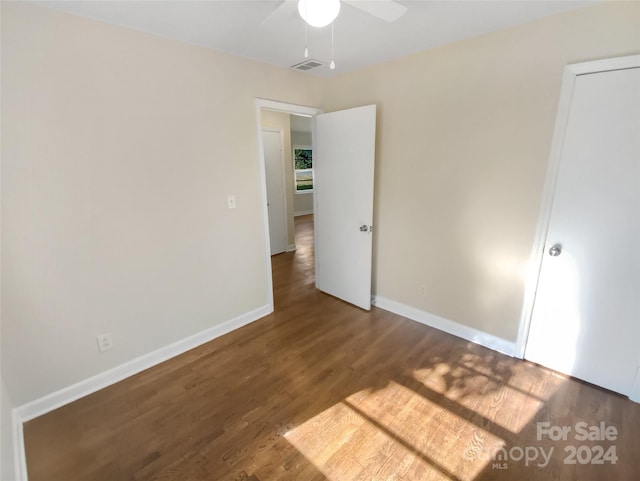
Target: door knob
<point>555,250</point>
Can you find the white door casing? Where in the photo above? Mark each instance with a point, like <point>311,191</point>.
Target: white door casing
<point>276,200</point>
<point>584,320</point>
<point>266,104</point>
<point>344,157</point>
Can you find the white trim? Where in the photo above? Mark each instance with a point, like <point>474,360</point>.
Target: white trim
<point>537,250</point>
<point>304,212</point>
<point>90,385</point>
<point>19,457</point>
<point>262,172</point>
<point>546,204</point>
<point>287,108</point>
<point>450,327</point>
<point>605,65</point>
<point>291,248</point>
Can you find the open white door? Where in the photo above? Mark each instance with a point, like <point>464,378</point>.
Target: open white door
<point>343,164</point>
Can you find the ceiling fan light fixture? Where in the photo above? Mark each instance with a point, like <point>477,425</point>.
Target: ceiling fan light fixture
<point>319,13</point>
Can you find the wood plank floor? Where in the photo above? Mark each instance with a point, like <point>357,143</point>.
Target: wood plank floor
<point>321,390</point>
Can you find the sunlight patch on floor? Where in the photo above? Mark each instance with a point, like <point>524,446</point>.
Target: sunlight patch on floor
<point>379,435</point>
<point>493,390</point>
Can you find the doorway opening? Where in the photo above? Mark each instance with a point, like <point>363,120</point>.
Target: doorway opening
<point>284,136</point>
<point>294,272</point>
<point>343,144</point>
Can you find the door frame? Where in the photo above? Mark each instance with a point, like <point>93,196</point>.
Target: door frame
<point>571,72</point>
<point>287,108</point>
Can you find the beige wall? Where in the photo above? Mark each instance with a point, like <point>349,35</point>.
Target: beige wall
<point>118,151</point>
<point>464,133</point>
<point>280,121</point>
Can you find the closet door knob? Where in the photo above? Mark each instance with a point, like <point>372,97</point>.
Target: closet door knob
<point>555,250</point>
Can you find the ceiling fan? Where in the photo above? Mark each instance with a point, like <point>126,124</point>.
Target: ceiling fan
<point>387,10</point>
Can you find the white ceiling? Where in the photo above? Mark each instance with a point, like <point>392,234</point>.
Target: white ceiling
<point>238,27</point>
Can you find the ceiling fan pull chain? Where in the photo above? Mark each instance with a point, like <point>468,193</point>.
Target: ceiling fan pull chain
<point>332,65</point>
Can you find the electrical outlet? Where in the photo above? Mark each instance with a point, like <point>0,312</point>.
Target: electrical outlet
<point>423,290</point>
<point>105,342</point>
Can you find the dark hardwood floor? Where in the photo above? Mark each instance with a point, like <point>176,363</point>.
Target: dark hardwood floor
<point>320,390</point>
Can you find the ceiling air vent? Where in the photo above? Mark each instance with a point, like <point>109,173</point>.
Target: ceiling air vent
<point>307,65</point>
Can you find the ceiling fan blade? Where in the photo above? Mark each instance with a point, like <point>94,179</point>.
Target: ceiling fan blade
<point>281,15</point>
<point>387,10</point>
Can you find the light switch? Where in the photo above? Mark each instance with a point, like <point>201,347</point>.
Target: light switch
<point>231,201</point>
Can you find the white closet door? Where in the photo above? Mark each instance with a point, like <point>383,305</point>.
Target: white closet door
<point>274,164</point>
<point>586,316</point>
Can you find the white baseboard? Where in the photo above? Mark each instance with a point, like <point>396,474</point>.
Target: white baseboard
<point>291,248</point>
<point>52,401</point>
<point>450,327</point>
<point>304,212</point>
